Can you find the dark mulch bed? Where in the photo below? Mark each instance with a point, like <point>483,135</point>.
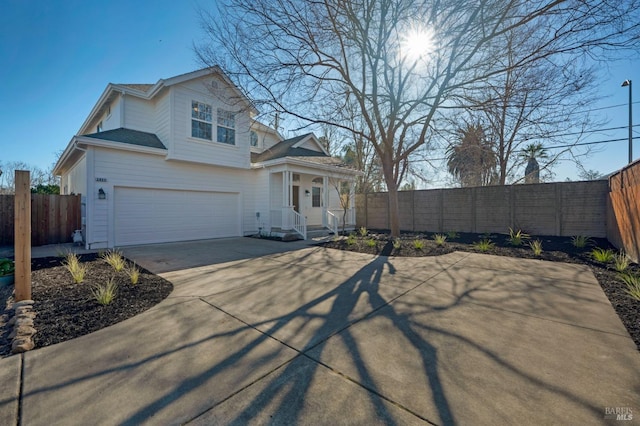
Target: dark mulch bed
<point>66,310</point>
<point>556,249</point>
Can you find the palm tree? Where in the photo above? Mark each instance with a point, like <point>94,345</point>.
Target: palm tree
<point>472,159</point>
<point>531,153</point>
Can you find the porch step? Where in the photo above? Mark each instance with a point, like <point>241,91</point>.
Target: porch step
<point>290,235</point>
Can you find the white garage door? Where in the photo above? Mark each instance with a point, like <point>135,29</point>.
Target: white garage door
<point>144,216</point>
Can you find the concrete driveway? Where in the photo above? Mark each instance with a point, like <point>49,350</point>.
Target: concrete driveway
<point>261,332</point>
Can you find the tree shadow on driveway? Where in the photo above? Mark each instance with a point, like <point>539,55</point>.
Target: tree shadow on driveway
<point>360,334</point>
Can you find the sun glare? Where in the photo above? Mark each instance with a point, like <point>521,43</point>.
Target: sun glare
<point>418,43</point>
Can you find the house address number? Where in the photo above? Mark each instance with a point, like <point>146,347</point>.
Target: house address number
<point>101,179</point>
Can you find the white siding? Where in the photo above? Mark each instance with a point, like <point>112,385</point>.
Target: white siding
<point>265,140</point>
<point>163,118</point>
<point>313,214</point>
<point>269,140</point>
<point>188,148</point>
<point>128,169</point>
<point>276,191</point>
<point>75,180</point>
<point>112,121</point>
<point>259,192</point>
<point>139,114</point>
<point>310,144</point>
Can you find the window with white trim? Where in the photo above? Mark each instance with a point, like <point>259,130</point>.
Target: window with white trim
<point>201,120</point>
<point>226,127</point>
<point>316,192</point>
<point>254,138</point>
<point>316,199</point>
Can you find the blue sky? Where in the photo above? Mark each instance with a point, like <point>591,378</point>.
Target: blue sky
<point>58,57</point>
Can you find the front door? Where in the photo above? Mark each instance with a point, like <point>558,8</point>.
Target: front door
<point>296,198</point>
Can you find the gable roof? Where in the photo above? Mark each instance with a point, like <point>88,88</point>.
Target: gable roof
<point>149,91</point>
<point>132,137</point>
<point>290,148</point>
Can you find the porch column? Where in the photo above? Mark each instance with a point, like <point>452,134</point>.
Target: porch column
<point>286,199</point>
<point>325,200</point>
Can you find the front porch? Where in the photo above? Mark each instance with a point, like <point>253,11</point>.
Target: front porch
<point>310,202</point>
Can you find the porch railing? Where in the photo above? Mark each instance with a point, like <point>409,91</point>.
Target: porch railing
<point>350,219</point>
<point>298,223</point>
<point>332,222</point>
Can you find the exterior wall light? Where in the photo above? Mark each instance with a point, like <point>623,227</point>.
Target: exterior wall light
<point>101,194</point>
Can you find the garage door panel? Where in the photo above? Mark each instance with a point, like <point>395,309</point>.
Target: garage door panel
<point>158,215</point>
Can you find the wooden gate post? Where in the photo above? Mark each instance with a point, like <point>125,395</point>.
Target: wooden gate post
<point>22,245</point>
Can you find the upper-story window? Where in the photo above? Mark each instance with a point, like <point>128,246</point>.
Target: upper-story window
<point>201,121</point>
<point>254,138</point>
<point>226,127</point>
<point>99,127</point>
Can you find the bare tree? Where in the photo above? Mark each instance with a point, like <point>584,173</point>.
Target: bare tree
<point>397,62</point>
<point>38,176</point>
<point>543,100</point>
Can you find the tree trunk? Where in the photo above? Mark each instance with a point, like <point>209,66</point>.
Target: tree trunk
<point>392,191</point>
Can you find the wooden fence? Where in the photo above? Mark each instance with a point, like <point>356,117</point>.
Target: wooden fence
<point>564,208</point>
<point>623,210</point>
<point>53,218</point>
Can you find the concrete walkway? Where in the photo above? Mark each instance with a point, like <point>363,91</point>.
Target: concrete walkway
<point>261,332</point>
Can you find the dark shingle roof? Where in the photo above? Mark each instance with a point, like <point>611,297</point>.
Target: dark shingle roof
<point>141,87</point>
<point>133,137</point>
<point>285,149</point>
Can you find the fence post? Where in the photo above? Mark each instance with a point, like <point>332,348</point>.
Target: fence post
<point>366,210</point>
<point>22,244</point>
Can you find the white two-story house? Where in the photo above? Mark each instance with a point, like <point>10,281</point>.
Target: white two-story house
<point>183,159</point>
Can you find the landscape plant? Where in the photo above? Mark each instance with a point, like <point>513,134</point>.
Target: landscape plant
<point>516,238</point>
<point>581,241</point>
<point>105,293</point>
<point>115,259</point>
<point>7,267</point>
<point>351,239</point>
<point>620,261</point>
<point>134,274</point>
<point>602,255</point>
<point>75,268</point>
<point>371,242</point>
<point>452,235</point>
<point>397,243</point>
<point>418,244</point>
<point>363,231</point>
<point>632,282</point>
<point>536,246</point>
<point>440,239</point>
<point>484,245</point>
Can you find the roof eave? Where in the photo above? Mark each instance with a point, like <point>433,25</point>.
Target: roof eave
<point>102,143</point>
<point>297,162</point>
<point>64,157</point>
